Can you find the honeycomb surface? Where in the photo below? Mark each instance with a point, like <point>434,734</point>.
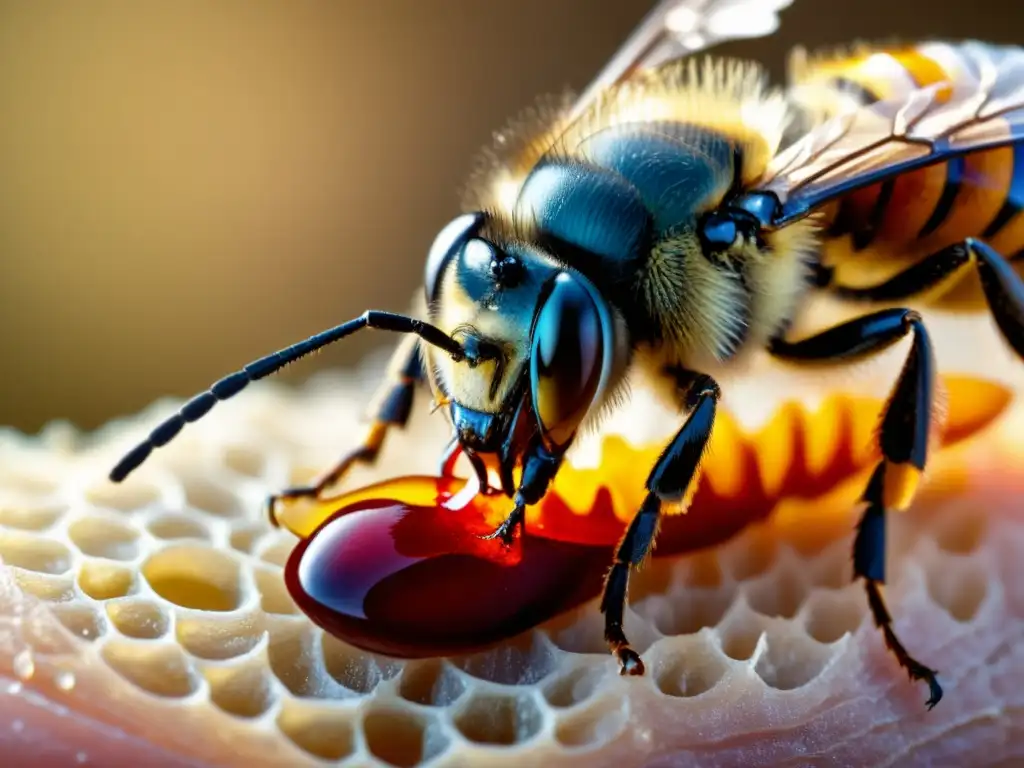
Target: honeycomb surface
<point>148,623</point>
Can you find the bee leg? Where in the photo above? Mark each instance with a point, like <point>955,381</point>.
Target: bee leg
<point>539,469</point>
<point>669,481</point>
<point>506,532</point>
<point>391,407</point>
<point>903,438</point>
<point>1003,287</point>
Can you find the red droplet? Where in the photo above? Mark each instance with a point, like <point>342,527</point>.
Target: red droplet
<point>412,581</point>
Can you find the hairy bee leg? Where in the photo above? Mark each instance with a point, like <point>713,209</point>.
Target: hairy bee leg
<point>869,564</point>
<point>1003,287</point>
<point>391,407</point>
<point>903,439</point>
<point>669,481</point>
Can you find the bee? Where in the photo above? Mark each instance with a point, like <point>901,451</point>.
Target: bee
<point>675,218</point>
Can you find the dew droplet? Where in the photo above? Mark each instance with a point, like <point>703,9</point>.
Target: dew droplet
<point>17,726</point>
<point>65,680</point>
<point>24,665</point>
<point>14,688</point>
<point>81,757</point>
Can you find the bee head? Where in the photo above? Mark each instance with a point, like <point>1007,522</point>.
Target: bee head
<point>539,342</point>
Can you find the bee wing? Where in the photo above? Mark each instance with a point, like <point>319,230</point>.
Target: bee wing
<point>980,106</point>
<point>675,28</point>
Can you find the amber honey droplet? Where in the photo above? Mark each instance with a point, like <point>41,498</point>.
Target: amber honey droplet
<point>399,567</point>
<point>413,580</point>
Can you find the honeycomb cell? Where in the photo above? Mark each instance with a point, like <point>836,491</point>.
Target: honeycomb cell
<point>293,652</point>
<point>103,580</point>
<point>102,537</point>
<point>582,631</point>
<point>244,536</point>
<point>138,618</point>
<point>195,577</point>
<point>522,661</point>
<point>702,570</point>
<point>353,669</point>
<point>274,597</point>
<point>960,530</point>
<point>832,566</point>
<point>779,593</point>
<point>497,719</point>
<point>38,517</point>
<point>593,726</point>
<point>574,685</point>
<point>158,668</point>
<point>276,551</point>
<point>45,586</point>
<point>219,636</point>
<point>243,691</point>
<point>244,461</point>
<point>752,555</point>
<point>212,498</point>
<point>791,659</point>
<point>323,731</point>
<point>831,614</point>
<point>959,584</point>
<point>176,526</point>
<point>28,481</point>
<point>401,738</point>
<point>740,632</point>
<point>431,682</point>
<point>82,621</point>
<point>34,553</point>
<point>693,666</point>
<point>124,498</point>
<point>684,612</point>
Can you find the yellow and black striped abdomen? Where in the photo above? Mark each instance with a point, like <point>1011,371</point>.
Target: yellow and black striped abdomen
<point>874,232</point>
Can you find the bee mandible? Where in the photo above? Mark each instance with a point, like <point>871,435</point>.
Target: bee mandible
<point>675,218</point>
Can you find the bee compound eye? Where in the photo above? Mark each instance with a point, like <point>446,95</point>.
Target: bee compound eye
<point>567,359</point>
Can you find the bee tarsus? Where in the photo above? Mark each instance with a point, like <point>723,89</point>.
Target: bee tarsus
<point>903,439</point>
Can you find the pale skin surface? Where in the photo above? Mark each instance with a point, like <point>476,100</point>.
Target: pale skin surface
<point>860,709</point>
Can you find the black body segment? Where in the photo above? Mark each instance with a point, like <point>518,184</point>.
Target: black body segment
<point>903,439</point>
<point>671,478</point>
<point>1001,283</point>
<point>869,564</point>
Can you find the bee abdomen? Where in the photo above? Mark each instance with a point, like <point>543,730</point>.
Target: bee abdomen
<point>979,194</point>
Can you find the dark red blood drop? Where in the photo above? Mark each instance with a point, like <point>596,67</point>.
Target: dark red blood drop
<point>414,581</point>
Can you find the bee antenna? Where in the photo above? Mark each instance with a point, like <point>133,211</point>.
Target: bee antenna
<point>231,385</point>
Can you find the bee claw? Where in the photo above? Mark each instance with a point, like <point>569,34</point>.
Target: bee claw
<point>630,663</point>
<point>507,537</point>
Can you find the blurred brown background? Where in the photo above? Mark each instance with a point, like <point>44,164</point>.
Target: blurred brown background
<point>187,185</point>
